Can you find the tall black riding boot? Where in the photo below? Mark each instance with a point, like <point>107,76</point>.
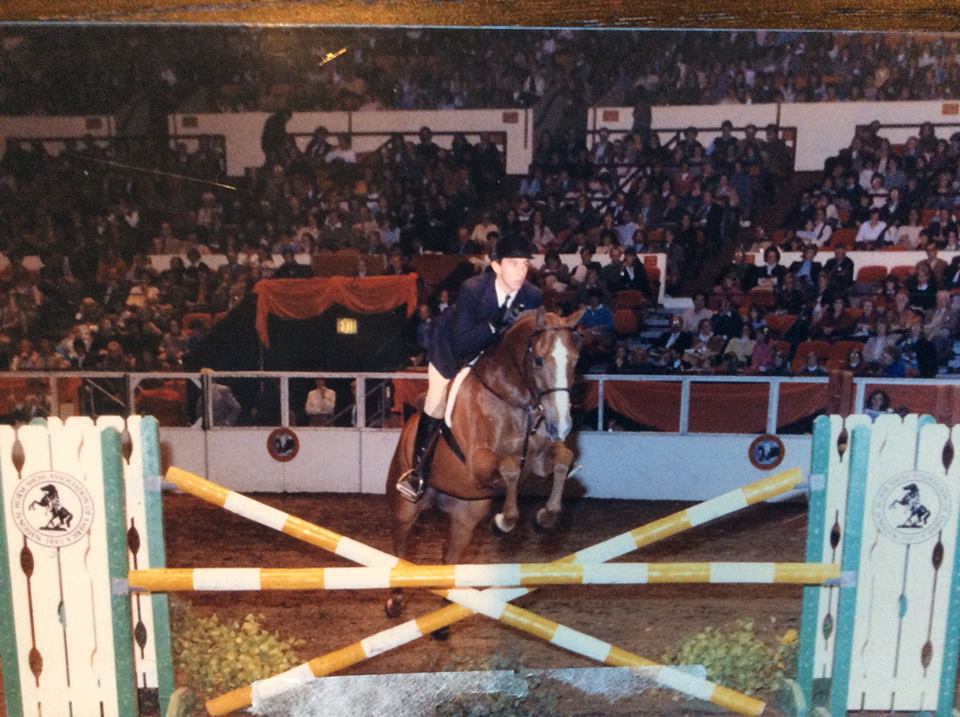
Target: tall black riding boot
<point>412,483</point>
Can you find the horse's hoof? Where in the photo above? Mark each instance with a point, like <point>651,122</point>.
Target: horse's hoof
<point>394,607</point>
<point>545,521</point>
<point>441,634</point>
<point>499,527</point>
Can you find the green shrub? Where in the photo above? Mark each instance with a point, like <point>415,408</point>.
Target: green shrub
<point>212,658</point>
<point>736,657</point>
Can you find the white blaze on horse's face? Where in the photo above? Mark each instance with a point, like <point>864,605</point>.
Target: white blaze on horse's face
<point>554,386</point>
<point>561,398</point>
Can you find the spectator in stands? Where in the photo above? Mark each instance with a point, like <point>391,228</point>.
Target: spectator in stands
<point>633,276</point>
<point>705,348</point>
<point>274,136</point>
<point>727,322</point>
<point>877,344</point>
<point>553,266</point>
<point>675,337</point>
<point>877,403</point>
<point>940,326</point>
<point>831,322</point>
<point>909,233</point>
<point>872,234</point>
<point>769,275</point>
<point>839,269</point>
<point>807,268</point>
<point>696,313</point>
<point>291,268</point>
<point>321,401</point>
<point>676,261</point>
<point>424,326</point>
<point>936,266</point>
<point>343,152</point>
<point>610,274</point>
<point>225,408</point>
<point>397,264</point>
<point>483,229</point>
<point>580,272</point>
<point>866,322</point>
<point>812,366</point>
<point>762,356</point>
<point>816,230</point>
<point>892,364</point>
<point>918,353</point>
<point>539,233</point>
<point>922,287</point>
<point>741,347</point>
<point>318,148</point>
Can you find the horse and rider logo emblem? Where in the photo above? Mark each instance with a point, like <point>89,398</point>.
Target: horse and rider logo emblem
<point>52,508</point>
<point>912,507</point>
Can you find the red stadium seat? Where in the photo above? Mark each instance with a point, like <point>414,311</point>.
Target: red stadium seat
<point>902,272</point>
<point>872,273</point>
<point>625,322</point>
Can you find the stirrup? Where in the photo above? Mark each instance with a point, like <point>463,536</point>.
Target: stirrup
<point>410,485</point>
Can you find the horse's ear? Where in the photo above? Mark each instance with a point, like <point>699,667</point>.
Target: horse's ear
<point>541,317</point>
<point>574,318</point>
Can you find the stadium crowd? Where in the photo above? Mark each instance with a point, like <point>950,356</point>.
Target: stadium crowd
<point>78,230</point>
<point>203,69</point>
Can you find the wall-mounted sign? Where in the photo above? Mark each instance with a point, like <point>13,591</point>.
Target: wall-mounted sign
<point>766,452</point>
<point>283,445</point>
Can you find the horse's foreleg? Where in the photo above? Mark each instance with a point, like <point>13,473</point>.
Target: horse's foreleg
<point>405,515</point>
<point>548,515</point>
<point>506,520</point>
<point>464,517</point>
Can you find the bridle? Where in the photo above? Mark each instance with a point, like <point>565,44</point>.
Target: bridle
<point>534,406</point>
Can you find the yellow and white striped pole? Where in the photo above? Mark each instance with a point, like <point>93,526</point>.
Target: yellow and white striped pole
<point>478,576</point>
<point>401,634</point>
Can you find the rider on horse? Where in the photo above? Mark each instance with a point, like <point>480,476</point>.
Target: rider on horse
<point>486,306</point>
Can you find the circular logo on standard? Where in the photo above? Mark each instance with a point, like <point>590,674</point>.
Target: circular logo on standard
<point>912,506</point>
<point>52,508</point>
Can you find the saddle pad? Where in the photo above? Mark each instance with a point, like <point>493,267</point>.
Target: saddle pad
<point>452,394</point>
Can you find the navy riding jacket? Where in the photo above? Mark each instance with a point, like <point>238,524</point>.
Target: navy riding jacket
<point>461,333</point>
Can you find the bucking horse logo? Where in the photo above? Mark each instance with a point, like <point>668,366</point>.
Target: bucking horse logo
<point>917,513</point>
<point>60,517</point>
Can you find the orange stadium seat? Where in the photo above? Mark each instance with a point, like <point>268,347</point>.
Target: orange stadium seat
<point>779,324</point>
<point>840,349</point>
<point>625,322</point>
<point>844,235</point>
<point>902,271</point>
<point>872,273</point>
<point>629,299</point>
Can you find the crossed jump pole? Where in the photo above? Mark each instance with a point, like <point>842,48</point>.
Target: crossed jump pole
<point>494,603</point>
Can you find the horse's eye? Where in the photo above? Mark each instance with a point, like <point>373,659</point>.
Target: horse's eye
<point>538,361</point>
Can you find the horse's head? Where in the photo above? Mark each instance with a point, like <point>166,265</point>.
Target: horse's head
<point>551,355</point>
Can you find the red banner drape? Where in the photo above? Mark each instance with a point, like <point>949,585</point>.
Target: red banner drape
<point>306,298</point>
<point>714,407</point>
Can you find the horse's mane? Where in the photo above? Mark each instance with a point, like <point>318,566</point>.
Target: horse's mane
<point>517,335</point>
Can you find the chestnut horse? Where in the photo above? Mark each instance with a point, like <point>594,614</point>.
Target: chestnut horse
<point>510,418</point>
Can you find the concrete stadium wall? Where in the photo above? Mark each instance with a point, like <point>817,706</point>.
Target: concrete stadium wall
<point>822,129</point>
<point>242,130</point>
